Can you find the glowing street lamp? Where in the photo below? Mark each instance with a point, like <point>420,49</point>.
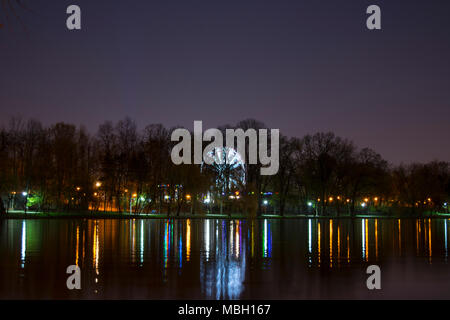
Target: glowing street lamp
<point>265,202</point>
<point>98,184</point>
<point>310,204</point>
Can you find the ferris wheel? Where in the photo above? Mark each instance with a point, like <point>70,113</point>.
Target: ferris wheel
<point>228,166</point>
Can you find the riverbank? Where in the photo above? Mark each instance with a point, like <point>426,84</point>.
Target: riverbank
<point>116,215</point>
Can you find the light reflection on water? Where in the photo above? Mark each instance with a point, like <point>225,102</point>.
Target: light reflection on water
<point>219,258</point>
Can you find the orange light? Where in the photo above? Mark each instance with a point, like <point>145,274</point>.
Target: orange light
<point>78,188</point>
<point>366,199</point>
<point>134,195</point>
<point>330,198</point>
<point>188,196</point>
<point>98,184</point>
<point>376,199</point>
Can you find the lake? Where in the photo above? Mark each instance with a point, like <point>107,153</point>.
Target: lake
<point>224,259</point>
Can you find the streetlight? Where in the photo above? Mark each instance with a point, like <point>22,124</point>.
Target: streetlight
<point>265,203</point>
<point>134,195</point>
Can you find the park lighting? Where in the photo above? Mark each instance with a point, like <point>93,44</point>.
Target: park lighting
<point>376,198</point>
<point>188,197</point>
<point>134,195</point>
<point>24,193</point>
<point>310,204</point>
<point>348,200</point>
<point>78,188</point>
<point>366,199</point>
<point>98,184</point>
<point>265,202</point>
<point>363,204</point>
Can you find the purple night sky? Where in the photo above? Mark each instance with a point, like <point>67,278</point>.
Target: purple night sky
<point>301,66</point>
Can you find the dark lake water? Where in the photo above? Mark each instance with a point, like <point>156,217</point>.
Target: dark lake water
<point>224,259</point>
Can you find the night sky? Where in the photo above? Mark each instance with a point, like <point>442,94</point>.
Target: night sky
<point>300,66</point>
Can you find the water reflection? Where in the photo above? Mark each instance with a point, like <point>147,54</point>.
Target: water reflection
<point>445,239</point>
<point>23,251</point>
<point>205,258</point>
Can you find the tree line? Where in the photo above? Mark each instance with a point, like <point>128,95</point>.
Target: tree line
<point>64,168</point>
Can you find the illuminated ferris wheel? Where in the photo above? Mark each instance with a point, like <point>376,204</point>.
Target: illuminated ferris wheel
<point>228,167</point>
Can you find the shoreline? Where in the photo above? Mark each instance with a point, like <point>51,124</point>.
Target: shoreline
<point>124,216</point>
